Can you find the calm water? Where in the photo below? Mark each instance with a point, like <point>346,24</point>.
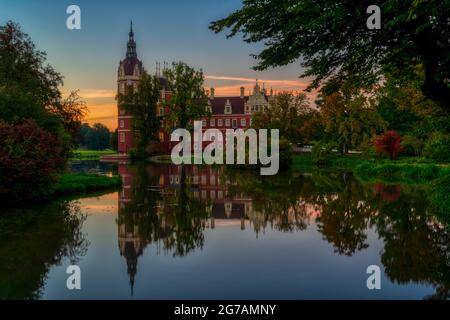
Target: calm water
<point>199,232</point>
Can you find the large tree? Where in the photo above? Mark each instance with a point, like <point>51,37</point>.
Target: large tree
<point>188,101</point>
<point>333,43</point>
<point>349,117</point>
<point>29,87</point>
<point>142,105</point>
<point>287,112</point>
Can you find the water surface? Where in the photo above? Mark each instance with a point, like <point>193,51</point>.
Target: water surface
<point>208,233</point>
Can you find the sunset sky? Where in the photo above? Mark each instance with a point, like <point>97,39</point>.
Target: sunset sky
<point>170,30</point>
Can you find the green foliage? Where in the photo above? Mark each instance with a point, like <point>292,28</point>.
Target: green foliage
<point>349,118</point>
<point>437,148</point>
<point>142,105</point>
<point>37,125</point>
<point>91,154</point>
<point>398,172</point>
<point>29,88</point>
<point>333,43</point>
<point>439,194</point>
<point>30,160</point>
<point>287,112</point>
<point>188,101</point>
<point>285,155</point>
<point>96,137</point>
<point>412,146</point>
<point>69,184</point>
<point>321,152</point>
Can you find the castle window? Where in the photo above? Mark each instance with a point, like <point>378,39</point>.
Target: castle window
<point>243,122</point>
<point>122,124</point>
<point>212,122</point>
<point>219,122</point>
<point>227,122</point>
<point>234,123</point>
<point>122,137</point>
<point>203,123</point>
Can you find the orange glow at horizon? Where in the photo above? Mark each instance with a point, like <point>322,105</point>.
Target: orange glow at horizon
<point>102,106</point>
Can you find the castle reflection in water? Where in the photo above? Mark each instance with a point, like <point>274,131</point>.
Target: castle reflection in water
<point>154,199</point>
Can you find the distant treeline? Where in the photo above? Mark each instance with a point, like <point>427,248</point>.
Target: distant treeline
<point>97,137</point>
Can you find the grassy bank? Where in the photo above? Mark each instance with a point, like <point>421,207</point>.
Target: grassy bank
<point>409,170</point>
<point>71,183</point>
<point>91,154</point>
<point>398,172</point>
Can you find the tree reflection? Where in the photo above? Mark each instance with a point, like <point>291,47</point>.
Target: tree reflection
<point>171,206</point>
<point>34,240</point>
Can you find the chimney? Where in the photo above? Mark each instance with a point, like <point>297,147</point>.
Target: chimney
<point>212,93</point>
<point>242,92</point>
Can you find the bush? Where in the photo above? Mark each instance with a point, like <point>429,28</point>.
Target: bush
<point>437,148</point>
<point>321,152</point>
<point>285,154</point>
<point>30,159</point>
<point>412,146</point>
<point>389,144</point>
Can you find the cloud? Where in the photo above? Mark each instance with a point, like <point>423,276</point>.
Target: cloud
<point>279,84</point>
<point>97,93</point>
<point>248,84</point>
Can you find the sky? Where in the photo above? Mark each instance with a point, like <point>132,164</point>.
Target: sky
<point>169,30</point>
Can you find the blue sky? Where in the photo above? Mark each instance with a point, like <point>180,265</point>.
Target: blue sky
<point>170,30</point>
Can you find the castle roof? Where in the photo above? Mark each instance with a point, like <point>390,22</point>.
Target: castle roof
<point>129,64</point>
<point>237,104</point>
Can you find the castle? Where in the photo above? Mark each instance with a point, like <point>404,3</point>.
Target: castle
<point>232,112</point>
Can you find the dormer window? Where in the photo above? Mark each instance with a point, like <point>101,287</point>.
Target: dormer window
<point>228,109</point>
<point>209,108</point>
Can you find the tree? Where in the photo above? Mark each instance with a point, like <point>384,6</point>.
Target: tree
<point>334,44</point>
<point>71,111</point>
<point>96,137</point>
<point>38,126</point>
<point>113,140</point>
<point>142,105</point>
<point>389,143</point>
<point>349,117</point>
<point>188,101</point>
<point>286,112</point>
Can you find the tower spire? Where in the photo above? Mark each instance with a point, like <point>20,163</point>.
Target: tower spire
<point>131,45</point>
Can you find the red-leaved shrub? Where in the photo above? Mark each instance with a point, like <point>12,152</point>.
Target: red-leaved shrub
<point>389,144</point>
<point>30,159</point>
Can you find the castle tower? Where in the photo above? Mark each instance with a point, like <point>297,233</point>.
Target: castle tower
<point>129,72</point>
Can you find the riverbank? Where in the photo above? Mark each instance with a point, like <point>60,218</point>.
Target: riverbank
<point>91,154</point>
<point>410,170</point>
<point>77,183</point>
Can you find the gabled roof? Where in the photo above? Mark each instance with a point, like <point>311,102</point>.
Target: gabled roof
<point>237,104</point>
